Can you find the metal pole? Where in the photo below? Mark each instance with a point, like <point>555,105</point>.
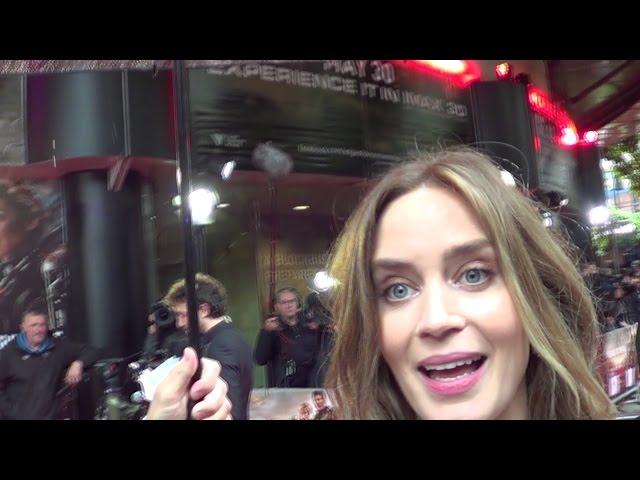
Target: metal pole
<point>614,240</point>
<point>616,262</point>
<point>181,93</point>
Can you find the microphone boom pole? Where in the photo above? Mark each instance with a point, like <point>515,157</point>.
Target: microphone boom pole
<point>183,177</point>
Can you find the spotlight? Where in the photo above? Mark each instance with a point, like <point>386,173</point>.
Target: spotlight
<point>504,71</point>
<point>590,137</point>
<point>227,169</point>
<point>598,215</point>
<point>201,202</point>
<point>322,281</point>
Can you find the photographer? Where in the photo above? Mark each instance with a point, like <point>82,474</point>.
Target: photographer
<point>170,400</point>
<point>289,343</point>
<point>626,311</point>
<point>165,338</point>
<point>219,338</point>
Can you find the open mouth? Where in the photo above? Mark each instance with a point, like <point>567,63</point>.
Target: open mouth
<point>453,371</point>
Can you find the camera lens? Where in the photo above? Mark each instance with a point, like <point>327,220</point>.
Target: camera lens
<point>162,315</point>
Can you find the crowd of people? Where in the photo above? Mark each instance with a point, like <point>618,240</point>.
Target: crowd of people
<point>617,295</point>
<point>294,344</point>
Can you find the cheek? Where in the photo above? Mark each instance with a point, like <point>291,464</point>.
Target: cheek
<point>396,328</point>
<point>495,316</point>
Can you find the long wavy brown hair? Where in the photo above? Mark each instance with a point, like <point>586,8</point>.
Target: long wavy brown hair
<point>552,300</point>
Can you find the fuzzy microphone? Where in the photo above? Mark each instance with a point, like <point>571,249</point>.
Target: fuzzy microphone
<point>273,161</point>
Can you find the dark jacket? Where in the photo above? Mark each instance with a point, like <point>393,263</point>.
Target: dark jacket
<point>627,310</point>
<point>226,345</point>
<point>167,343</point>
<point>638,346</point>
<point>292,352</point>
<point>29,382</point>
<point>321,363</point>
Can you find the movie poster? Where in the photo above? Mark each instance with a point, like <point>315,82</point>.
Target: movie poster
<point>291,404</point>
<point>33,269</point>
<point>620,365</point>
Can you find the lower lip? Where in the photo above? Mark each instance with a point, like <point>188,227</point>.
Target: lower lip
<point>454,387</point>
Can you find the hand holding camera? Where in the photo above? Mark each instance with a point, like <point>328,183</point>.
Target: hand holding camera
<point>272,324</point>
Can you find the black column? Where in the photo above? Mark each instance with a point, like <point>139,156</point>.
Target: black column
<point>110,236</point>
<point>502,124</point>
<point>84,114</point>
<point>108,291</point>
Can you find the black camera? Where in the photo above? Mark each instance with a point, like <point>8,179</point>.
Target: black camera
<point>118,384</point>
<point>168,340</point>
<point>316,311</point>
<point>162,315</point>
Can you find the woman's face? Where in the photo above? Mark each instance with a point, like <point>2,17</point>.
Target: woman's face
<point>11,237</point>
<point>449,330</point>
<point>305,410</point>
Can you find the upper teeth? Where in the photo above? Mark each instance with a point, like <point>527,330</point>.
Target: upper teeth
<point>447,366</point>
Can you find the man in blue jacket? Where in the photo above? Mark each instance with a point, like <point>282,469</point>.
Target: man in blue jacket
<point>34,366</point>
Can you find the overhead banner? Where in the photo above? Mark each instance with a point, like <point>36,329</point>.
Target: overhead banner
<point>346,117</point>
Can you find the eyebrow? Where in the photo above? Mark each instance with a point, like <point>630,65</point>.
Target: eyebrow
<point>458,251</point>
<point>466,249</point>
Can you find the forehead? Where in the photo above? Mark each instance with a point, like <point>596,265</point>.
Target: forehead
<point>284,296</point>
<point>425,222</point>
<point>31,319</point>
<point>180,307</point>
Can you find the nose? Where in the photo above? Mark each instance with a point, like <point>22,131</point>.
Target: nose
<point>439,312</point>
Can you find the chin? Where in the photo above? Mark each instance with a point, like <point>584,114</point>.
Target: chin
<point>473,407</point>
<point>471,413</point>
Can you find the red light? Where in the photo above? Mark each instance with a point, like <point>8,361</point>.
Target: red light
<point>460,72</point>
<point>541,104</point>
<point>537,144</point>
<point>591,136</point>
<point>569,137</point>
<point>453,67</point>
<point>503,71</point>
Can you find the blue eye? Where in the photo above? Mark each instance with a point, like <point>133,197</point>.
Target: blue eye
<point>475,276</point>
<point>398,292</point>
